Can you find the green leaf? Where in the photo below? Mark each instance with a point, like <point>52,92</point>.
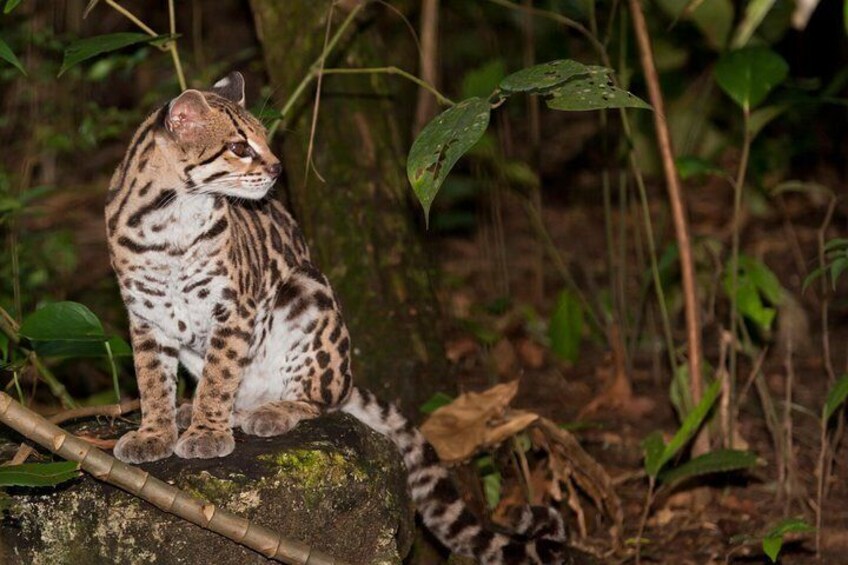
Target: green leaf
<point>719,461</point>
<point>836,269</point>
<point>566,327</point>
<point>38,474</point>
<point>592,93</point>
<point>689,166</point>
<point>764,279</point>
<point>835,397</point>
<point>77,348</point>
<point>713,18</point>
<point>542,78</point>
<point>435,402</point>
<point>84,49</point>
<point>771,546</point>
<point>653,446</point>
<point>748,75</point>
<point>773,540</point>
<point>63,321</point>
<point>483,81</point>
<point>440,145</point>
<point>7,55</point>
<point>11,5</point>
<point>836,243</point>
<point>691,424</point>
<point>755,12</point>
<point>813,275</point>
<point>492,489</point>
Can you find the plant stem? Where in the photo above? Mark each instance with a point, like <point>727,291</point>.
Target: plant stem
<point>738,185</point>
<point>649,500</point>
<point>114,368</point>
<point>443,100</point>
<point>131,17</point>
<point>140,483</point>
<point>678,210</point>
<point>317,64</point>
<point>172,45</point>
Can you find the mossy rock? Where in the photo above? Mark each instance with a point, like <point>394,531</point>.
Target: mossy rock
<point>331,483</point>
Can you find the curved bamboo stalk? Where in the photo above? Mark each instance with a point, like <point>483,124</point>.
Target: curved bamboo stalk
<point>140,483</point>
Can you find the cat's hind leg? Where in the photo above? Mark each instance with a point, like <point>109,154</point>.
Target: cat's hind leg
<point>275,418</point>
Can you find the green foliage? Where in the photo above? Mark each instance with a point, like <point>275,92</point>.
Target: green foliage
<point>7,55</point>
<point>835,398</point>
<point>90,47</point>
<point>718,461</point>
<point>491,480</point>
<point>714,19</point>
<point>566,327</point>
<point>10,5</point>
<point>755,13</point>
<point>435,402</point>
<point>836,261</point>
<point>657,453</point>
<point>592,93</point>
<point>747,75</point>
<point>758,291</point>
<point>38,474</point>
<point>483,81</point>
<point>69,329</point>
<point>547,76</point>
<point>440,145</point>
<point>773,540</point>
<point>691,166</point>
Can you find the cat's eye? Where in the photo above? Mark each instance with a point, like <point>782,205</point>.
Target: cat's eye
<point>241,149</point>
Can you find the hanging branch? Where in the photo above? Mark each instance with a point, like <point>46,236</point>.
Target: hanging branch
<point>140,483</point>
<point>678,210</point>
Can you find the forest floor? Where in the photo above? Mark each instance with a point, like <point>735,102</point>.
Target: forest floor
<point>688,525</point>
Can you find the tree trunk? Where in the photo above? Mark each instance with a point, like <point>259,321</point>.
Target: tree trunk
<point>358,222</point>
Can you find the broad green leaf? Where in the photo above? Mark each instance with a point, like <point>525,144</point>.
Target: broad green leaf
<point>763,278</point>
<point>11,5</point>
<point>492,489</point>
<point>771,546</point>
<point>836,243</point>
<point>592,93</point>
<point>63,321</point>
<point>435,402</point>
<point>7,55</point>
<point>815,274</point>
<point>691,424</point>
<point>84,49</point>
<point>653,446</point>
<point>751,306</point>
<point>541,78</point>
<point>689,166</point>
<point>719,461</point>
<point>713,18</point>
<point>836,268</point>
<point>773,540</point>
<point>38,474</point>
<point>748,75</point>
<point>440,145</point>
<point>755,12</point>
<point>566,327</point>
<point>81,348</point>
<point>835,397</point>
<point>483,81</point>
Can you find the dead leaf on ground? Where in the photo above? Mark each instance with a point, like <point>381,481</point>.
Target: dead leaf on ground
<point>475,420</point>
<point>503,356</point>
<point>530,353</point>
<point>458,349</point>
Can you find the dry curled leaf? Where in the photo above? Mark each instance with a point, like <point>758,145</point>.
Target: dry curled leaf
<point>475,420</point>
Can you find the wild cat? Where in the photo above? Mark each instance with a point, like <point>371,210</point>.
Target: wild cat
<point>216,276</point>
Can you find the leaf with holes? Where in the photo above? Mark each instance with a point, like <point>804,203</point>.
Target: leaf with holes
<point>440,145</point>
<point>719,461</point>
<point>9,56</point>
<point>38,474</point>
<point>542,78</point>
<point>748,75</point>
<point>592,93</point>
<point>84,49</point>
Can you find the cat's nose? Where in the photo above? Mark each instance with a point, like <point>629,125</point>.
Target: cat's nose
<point>275,169</point>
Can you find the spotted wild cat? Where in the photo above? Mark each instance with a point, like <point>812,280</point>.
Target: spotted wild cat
<point>216,276</point>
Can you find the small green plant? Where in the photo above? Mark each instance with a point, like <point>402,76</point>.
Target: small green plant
<point>659,455</point>
<point>772,539</point>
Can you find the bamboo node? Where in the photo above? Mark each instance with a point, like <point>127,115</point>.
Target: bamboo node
<point>208,512</point>
<point>58,441</point>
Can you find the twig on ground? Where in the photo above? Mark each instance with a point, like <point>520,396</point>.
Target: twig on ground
<point>140,483</point>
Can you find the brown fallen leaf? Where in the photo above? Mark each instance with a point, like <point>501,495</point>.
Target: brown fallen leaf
<point>458,349</point>
<point>474,421</point>
<point>503,356</point>
<point>530,353</point>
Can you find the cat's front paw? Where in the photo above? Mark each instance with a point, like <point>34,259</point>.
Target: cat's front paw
<point>137,447</point>
<point>205,444</point>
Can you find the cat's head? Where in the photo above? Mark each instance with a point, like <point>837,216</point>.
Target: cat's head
<point>220,146</point>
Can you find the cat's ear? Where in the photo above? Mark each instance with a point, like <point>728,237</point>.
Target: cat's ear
<point>187,114</point>
<point>231,87</point>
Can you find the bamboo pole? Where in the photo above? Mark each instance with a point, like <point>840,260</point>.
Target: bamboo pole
<point>140,483</point>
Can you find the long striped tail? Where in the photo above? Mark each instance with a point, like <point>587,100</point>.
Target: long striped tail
<point>541,534</point>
